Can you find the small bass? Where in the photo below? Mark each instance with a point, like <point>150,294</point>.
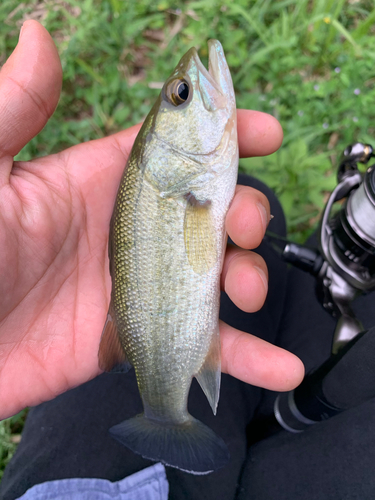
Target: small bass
<point>166,247</point>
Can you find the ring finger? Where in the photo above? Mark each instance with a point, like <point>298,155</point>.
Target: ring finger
<point>245,279</point>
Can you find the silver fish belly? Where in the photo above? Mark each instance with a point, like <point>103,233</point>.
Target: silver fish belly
<point>167,243</point>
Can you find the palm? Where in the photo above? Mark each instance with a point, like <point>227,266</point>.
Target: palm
<point>55,279</point>
<point>54,223</point>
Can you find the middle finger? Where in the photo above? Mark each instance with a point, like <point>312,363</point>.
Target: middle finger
<point>248,217</point>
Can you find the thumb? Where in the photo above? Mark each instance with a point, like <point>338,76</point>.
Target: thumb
<point>30,84</point>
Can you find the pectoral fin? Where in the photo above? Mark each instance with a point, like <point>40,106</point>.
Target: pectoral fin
<point>112,357</point>
<point>210,374</point>
<point>199,235</point>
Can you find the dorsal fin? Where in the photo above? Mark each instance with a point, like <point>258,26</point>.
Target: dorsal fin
<point>112,356</point>
<point>210,373</point>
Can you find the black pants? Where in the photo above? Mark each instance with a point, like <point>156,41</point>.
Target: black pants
<point>68,437</point>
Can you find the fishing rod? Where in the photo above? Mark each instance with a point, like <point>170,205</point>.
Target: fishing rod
<point>344,267</point>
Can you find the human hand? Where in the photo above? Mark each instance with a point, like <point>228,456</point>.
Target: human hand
<point>54,222</point>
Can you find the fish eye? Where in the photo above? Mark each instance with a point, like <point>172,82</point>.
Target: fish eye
<point>182,91</point>
<point>177,92</point>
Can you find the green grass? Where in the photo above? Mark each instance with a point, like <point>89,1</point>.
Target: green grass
<point>310,63</point>
<point>10,436</point>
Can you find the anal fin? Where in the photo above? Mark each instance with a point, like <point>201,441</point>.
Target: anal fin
<point>112,356</point>
<point>209,375</point>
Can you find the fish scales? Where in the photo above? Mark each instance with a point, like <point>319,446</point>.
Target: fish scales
<point>167,243</point>
<point>165,310</point>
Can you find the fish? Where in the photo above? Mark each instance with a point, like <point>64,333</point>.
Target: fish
<point>166,248</point>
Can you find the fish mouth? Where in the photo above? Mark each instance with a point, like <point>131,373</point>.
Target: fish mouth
<point>218,72</point>
<point>216,60</point>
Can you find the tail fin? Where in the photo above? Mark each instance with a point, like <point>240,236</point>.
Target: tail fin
<point>191,446</point>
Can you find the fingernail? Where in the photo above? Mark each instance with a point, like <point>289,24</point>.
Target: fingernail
<point>262,276</point>
<point>263,216</point>
<point>19,38</point>
<point>23,29</point>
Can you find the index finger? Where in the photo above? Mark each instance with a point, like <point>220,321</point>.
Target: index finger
<point>259,134</point>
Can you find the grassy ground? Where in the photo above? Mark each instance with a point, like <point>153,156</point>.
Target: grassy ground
<point>308,62</point>
<point>10,436</point>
